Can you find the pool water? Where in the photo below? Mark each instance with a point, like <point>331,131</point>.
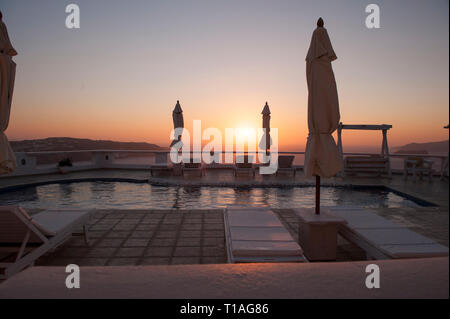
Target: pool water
<point>121,195</point>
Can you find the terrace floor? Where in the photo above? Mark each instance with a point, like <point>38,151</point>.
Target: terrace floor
<point>151,237</point>
<point>406,278</point>
<point>160,237</point>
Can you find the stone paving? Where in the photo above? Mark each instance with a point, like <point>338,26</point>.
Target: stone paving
<point>151,237</point>
<point>156,237</point>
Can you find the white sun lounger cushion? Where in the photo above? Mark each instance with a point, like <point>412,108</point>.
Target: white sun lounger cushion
<point>392,239</point>
<point>402,243</point>
<point>415,251</point>
<point>253,218</point>
<point>398,236</point>
<point>52,222</point>
<point>258,233</point>
<point>266,249</point>
<point>365,219</point>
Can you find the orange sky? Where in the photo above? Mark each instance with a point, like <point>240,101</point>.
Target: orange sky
<point>119,80</point>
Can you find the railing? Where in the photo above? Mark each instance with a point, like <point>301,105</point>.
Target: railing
<point>34,163</point>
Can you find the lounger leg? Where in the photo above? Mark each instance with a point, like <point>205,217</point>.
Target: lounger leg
<point>22,247</point>
<point>86,235</point>
<point>25,261</point>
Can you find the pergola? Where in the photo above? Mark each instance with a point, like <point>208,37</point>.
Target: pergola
<point>368,127</point>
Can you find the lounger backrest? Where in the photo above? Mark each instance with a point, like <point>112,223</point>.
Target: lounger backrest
<point>14,225</point>
<point>192,165</point>
<point>418,161</point>
<point>193,162</point>
<point>285,161</point>
<point>244,161</point>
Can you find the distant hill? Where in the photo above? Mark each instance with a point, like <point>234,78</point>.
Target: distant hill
<point>423,148</point>
<point>78,144</point>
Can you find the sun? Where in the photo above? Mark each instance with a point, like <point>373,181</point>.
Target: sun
<point>245,132</point>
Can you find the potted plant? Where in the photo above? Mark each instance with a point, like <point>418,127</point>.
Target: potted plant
<point>64,165</point>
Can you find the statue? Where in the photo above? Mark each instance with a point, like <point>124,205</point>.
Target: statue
<point>7,76</point>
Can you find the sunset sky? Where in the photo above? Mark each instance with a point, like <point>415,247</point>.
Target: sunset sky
<point>119,76</point>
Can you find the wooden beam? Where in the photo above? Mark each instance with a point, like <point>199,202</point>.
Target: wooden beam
<point>365,127</point>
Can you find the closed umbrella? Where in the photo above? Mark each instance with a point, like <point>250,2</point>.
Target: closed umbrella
<point>178,122</point>
<point>266,140</point>
<point>322,156</point>
<point>7,76</point>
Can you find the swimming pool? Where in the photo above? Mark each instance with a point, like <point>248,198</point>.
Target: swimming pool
<point>123,195</point>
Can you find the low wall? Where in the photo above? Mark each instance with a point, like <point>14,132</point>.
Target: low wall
<point>35,163</point>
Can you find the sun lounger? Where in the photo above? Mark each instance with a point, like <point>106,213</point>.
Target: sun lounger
<point>161,164</point>
<point>33,236</point>
<point>160,168</point>
<point>215,160</point>
<point>257,235</point>
<point>384,239</point>
<point>244,164</point>
<point>418,166</point>
<point>193,166</point>
<point>374,165</point>
<point>285,164</point>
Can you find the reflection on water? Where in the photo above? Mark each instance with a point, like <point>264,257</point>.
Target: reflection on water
<point>29,194</point>
<point>91,195</point>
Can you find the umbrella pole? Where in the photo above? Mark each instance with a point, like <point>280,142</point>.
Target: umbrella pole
<point>317,195</point>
